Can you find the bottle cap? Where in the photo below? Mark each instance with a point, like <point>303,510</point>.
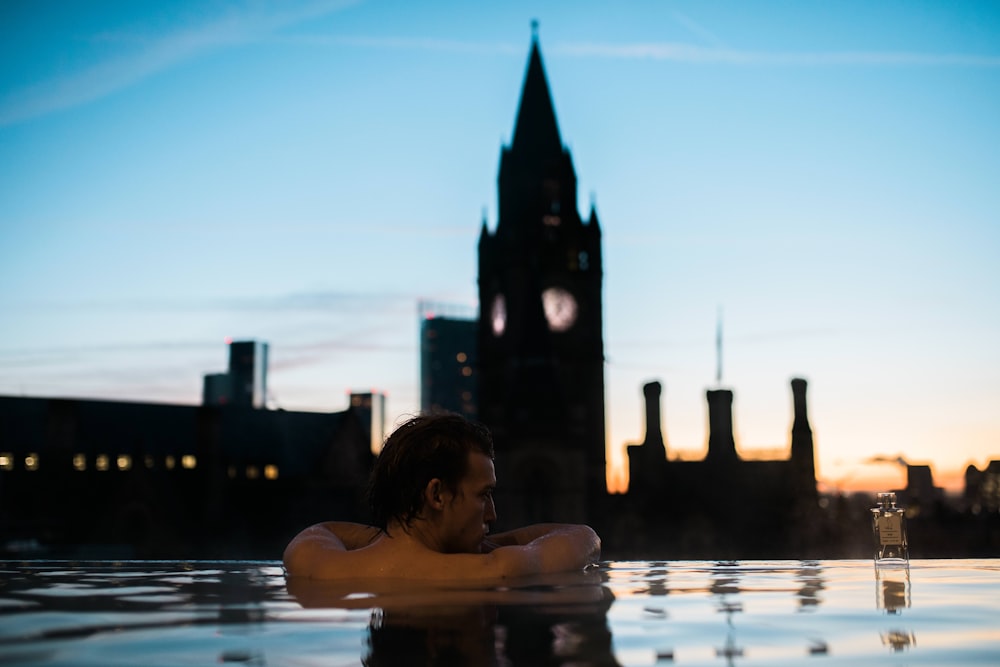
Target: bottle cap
<point>886,499</point>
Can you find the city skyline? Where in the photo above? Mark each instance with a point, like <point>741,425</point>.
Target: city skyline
<point>306,173</point>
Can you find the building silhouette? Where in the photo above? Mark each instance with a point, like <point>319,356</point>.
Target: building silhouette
<point>448,360</point>
<point>982,488</point>
<point>721,506</point>
<point>541,383</point>
<point>541,346</point>
<point>90,478</point>
<point>369,406</point>
<point>245,383</point>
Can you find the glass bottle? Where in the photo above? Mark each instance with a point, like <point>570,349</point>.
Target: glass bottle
<point>889,530</point>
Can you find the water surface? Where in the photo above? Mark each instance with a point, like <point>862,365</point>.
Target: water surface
<point>936,612</point>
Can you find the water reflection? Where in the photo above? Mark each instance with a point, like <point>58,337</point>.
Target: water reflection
<point>892,588</point>
<point>655,579</point>
<point>725,585</point>
<point>898,640</point>
<point>549,624</point>
<point>160,614</point>
<point>725,578</point>
<point>892,595</point>
<point>810,577</point>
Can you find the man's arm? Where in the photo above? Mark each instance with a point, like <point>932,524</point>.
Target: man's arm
<point>323,541</point>
<point>545,548</point>
<point>338,551</point>
<point>523,535</point>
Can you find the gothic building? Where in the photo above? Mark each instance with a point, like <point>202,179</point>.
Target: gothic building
<point>541,347</point>
<point>541,383</point>
<point>722,506</point>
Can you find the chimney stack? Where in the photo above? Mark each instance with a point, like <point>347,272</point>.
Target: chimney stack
<point>654,432</point>
<point>721,445</point>
<point>803,455</point>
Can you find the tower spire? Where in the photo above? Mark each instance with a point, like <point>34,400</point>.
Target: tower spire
<point>536,131</point>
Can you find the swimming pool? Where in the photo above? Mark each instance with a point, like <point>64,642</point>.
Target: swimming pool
<point>149,613</point>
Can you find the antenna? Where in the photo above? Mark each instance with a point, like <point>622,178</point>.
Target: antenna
<point>718,348</point>
<point>534,29</point>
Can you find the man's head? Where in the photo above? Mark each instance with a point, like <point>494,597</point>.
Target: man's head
<point>443,454</point>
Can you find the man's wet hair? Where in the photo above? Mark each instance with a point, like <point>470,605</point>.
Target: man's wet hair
<point>421,449</point>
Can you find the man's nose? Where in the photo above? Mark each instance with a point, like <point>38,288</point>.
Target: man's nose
<point>491,510</point>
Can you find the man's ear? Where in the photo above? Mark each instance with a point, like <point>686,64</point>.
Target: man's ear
<point>435,494</point>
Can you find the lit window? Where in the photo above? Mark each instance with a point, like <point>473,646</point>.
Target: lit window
<point>102,462</point>
<point>124,462</point>
<point>231,471</point>
<point>79,462</point>
<point>252,472</point>
<point>271,471</point>
<point>169,462</point>
<point>189,461</point>
<point>31,461</point>
<point>6,461</point>
<point>149,461</point>
<point>466,371</point>
<point>461,357</point>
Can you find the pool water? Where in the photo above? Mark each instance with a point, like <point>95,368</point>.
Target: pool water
<point>148,613</point>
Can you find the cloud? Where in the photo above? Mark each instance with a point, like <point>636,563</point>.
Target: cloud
<point>688,53</point>
<point>757,337</point>
<point>316,301</point>
<point>304,355</point>
<point>897,460</point>
<point>407,44</point>
<point>697,29</point>
<point>665,51</point>
<point>261,23</point>
<point>156,55</point>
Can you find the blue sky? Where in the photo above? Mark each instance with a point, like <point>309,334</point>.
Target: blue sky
<point>306,172</point>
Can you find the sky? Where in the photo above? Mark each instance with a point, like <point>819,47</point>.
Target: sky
<point>821,178</point>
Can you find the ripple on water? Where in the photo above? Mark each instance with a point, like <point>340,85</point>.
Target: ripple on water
<point>628,612</point>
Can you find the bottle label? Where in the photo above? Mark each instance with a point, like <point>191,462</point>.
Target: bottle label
<point>890,529</point>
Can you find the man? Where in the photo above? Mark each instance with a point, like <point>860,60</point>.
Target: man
<point>431,494</point>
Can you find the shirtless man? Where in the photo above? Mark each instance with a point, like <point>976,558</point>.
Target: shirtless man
<point>431,494</point>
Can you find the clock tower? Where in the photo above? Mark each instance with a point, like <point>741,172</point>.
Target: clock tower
<point>541,346</point>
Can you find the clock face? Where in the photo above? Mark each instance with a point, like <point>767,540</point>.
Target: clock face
<point>498,315</point>
<point>560,308</point>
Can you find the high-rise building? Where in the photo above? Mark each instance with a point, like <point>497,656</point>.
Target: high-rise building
<point>248,373</point>
<point>448,359</point>
<point>217,389</point>
<point>370,408</point>
<point>245,383</point>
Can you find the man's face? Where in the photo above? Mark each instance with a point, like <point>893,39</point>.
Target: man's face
<point>470,510</point>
